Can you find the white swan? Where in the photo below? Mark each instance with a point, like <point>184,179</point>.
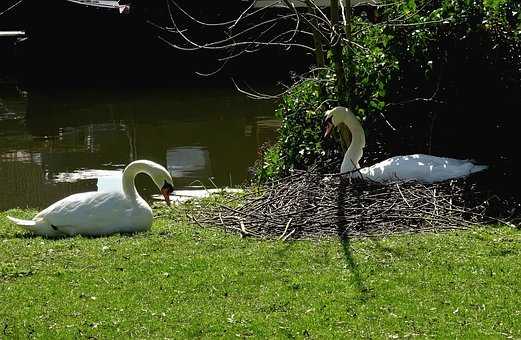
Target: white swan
<point>102,212</point>
<point>417,167</point>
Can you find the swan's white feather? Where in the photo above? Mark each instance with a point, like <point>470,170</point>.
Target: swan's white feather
<point>417,167</point>
<point>28,223</point>
<point>100,212</point>
<point>423,168</point>
<point>92,214</point>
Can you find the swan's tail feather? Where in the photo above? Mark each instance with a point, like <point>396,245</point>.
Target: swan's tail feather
<point>477,168</point>
<point>22,223</point>
<point>38,226</point>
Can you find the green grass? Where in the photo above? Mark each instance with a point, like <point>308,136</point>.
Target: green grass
<point>181,281</point>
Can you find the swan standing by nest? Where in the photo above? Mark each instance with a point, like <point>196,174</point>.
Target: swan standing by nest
<point>417,167</point>
<point>102,213</point>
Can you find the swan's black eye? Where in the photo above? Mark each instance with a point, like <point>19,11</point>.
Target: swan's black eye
<point>167,187</point>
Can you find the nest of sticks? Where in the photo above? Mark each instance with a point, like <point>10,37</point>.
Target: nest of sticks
<point>310,205</point>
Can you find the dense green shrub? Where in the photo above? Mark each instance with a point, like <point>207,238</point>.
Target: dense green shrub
<point>447,79</point>
<point>300,142</point>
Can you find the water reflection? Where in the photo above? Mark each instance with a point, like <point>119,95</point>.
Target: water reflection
<point>56,143</point>
<point>189,162</point>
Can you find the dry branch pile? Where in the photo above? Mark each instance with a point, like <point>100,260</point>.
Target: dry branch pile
<point>309,204</point>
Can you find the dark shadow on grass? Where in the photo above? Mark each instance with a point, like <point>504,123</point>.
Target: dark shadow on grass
<point>29,236</point>
<point>343,235</point>
<point>23,236</point>
<point>382,248</point>
<point>286,247</point>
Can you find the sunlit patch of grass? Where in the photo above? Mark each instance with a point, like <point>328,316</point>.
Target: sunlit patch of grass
<point>179,280</point>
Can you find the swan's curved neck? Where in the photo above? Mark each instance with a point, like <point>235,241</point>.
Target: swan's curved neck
<point>355,150</point>
<point>129,175</point>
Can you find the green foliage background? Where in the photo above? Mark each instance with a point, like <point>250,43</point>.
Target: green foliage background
<point>434,69</point>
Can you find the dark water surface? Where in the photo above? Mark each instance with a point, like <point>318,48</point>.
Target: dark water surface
<point>57,142</point>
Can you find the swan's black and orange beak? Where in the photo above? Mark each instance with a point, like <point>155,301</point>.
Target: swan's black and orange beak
<point>166,190</point>
<point>327,126</point>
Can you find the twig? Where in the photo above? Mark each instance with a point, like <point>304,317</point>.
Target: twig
<point>286,229</point>
<point>311,205</point>
<point>288,235</point>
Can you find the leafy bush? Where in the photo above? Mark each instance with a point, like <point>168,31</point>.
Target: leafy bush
<point>300,143</point>
<point>447,79</point>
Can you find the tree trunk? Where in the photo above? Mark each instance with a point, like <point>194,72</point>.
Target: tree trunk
<point>337,55</point>
<point>319,52</point>
<point>348,12</point>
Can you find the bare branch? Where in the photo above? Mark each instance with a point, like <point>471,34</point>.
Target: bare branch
<point>312,204</point>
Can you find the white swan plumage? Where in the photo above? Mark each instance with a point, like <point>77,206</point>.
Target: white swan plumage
<point>417,167</point>
<point>99,213</point>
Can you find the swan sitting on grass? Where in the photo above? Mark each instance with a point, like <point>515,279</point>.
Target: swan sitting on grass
<point>417,167</point>
<point>98,213</point>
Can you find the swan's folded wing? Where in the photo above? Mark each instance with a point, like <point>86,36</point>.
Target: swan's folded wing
<point>85,209</point>
<point>419,167</point>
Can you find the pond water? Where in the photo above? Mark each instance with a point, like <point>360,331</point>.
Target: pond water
<point>57,142</point>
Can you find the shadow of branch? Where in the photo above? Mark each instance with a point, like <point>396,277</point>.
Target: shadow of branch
<point>343,235</point>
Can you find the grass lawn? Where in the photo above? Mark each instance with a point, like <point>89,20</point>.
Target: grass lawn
<point>179,281</point>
